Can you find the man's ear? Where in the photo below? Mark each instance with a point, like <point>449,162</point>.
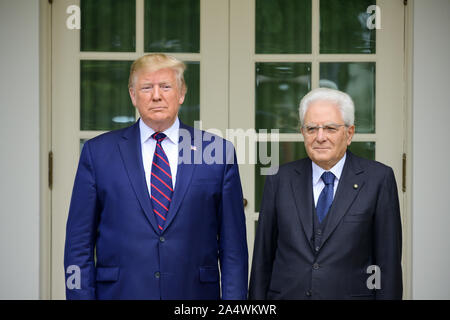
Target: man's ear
<point>351,132</point>
<point>181,100</point>
<point>132,95</point>
<point>182,95</point>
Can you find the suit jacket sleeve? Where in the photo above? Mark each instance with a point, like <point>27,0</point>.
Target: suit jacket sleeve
<point>81,230</point>
<point>233,252</point>
<point>388,240</point>
<point>265,244</point>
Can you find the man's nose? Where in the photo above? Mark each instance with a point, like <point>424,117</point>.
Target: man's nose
<point>321,136</point>
<point>156,93</point>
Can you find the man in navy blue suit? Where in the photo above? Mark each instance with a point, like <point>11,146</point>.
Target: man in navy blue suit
<point>151,217</point>
<point>329,225</point>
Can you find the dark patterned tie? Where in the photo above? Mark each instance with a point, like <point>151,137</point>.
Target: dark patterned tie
<point>161,182</point>
<point>326,196</point>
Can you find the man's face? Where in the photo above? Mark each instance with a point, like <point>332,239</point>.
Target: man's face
<point>157,97</point>
<point>326,146</point>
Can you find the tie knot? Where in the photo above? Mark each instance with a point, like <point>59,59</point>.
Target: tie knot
<point>328,177</point>
<point>159,136</point>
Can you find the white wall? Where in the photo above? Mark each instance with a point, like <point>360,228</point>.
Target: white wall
<point>19,147</point>
<point>431,150</point>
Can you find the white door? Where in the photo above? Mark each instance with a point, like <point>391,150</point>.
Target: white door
<point>279,50</point>
<point>90,72</point>
<point>249,63</point>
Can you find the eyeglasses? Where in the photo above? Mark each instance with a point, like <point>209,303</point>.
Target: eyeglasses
<point>328,128</point>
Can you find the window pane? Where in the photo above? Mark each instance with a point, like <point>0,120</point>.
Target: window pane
<point>283,26</point>
<point>190,109</point>
<point>288,151</point>
<point>279,89</point>
<point>104,101</point>
<point>108,25</point>
<point>291,151</point>
<point>172,26</point>
<point>82,141</point>
<point>358,80</point>
<point>363,149</point>
<point>343,27</point>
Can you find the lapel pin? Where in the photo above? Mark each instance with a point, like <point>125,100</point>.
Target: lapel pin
<point>355,186</point>
<point>194,148</point>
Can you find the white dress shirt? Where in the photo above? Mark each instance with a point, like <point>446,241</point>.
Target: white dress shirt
<point>169,144</point>
<point>318,183</point>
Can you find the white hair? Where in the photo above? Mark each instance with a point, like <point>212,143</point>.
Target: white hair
<point>343,101</point>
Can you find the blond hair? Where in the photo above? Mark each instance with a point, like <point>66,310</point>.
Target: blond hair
<point>156,61</point>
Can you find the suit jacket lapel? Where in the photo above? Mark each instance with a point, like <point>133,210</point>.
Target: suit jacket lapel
<point>184,176</point>
<point>345,194</point>
<point>301,184</point>
<point>130,150</point>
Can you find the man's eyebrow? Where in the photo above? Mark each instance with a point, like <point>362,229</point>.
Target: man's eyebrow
<point>161,82</point>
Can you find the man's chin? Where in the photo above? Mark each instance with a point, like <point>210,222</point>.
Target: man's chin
<point>320,157</point>
<point>322,154</point>
<point>160,123</point>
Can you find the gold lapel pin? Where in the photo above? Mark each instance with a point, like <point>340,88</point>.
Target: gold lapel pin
<point>355,186</point>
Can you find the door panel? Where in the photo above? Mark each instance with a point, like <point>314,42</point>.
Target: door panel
<point>269,76</point>
<point>90,79</point>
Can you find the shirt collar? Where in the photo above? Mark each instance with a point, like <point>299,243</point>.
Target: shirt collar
<point>336,170</point>
<point>172,133</point>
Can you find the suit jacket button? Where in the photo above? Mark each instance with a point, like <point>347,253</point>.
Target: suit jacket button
<point>317,248</point>
<point>162,239</point>
<point>316,266</point>
<point>308,293</point>
<point>157,275</point>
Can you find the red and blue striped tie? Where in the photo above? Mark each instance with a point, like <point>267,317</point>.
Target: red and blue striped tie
<point>160,181</point>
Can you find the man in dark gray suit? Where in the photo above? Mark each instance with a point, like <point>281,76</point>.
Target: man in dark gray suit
<point>329,225</point>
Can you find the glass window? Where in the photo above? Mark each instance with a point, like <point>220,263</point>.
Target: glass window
<point>283,26</point>
<point>358,80</point>
<point>108,25</point>
<point>172,26</point>
<point>279,89</point>
<point>105,103</point>
<point>82,142</point>
<point>190,109</point>
<point>363,149</point>
<point>288,151</point>
<point>343,27</point>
